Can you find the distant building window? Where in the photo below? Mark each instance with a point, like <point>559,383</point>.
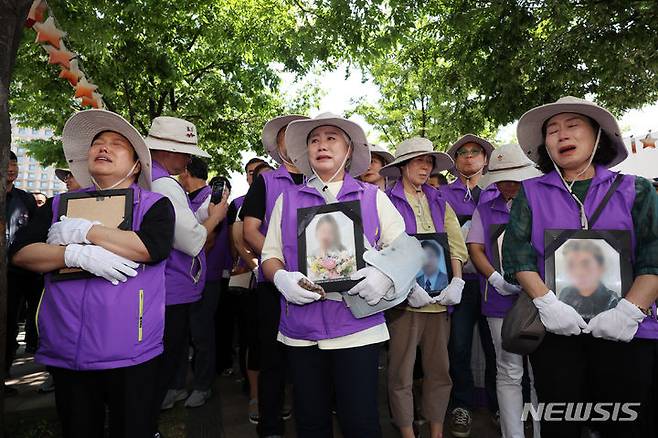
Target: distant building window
<point>22,131</point>
<point>44,176</point>
<point>33,167</point>
<point>20,152</point>
<point>30,183</point>
<point>44,184</point>
<point>17,184</point>
<point>31,175</point>
<point>49,132</point>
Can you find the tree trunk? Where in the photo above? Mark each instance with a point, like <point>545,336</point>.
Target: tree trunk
<point>12,18</point>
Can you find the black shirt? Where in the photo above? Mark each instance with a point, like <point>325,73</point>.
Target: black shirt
<point>232,213</point>
<point>255,202</point>
<point>20,207</point>
<point>156,230</point>
<point>195,193</point>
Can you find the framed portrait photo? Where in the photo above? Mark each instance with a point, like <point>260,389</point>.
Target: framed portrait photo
<point>330,244</point>
<point>436,271</point>
<point>591,270</point>
<point>112,208</point>
<point>496,236</point>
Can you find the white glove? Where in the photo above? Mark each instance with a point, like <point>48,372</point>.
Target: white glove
<point>288,285</point>
<point>452,294</point>
<point>69,230</point>
<point>617,324</point>
<point>100,262</point>
<point>557,316</point>
<point>374,286</point>
<point>419,297</point>
<point>503,287</point>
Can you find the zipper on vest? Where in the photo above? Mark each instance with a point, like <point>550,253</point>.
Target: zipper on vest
<point>141,315</point>
<point>486,291</point>
<point>36,316</point>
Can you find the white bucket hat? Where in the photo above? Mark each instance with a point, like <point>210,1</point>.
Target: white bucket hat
<point>412,148</point>
<point>530,126</point>
<point>174,135</point>
<point>81,129</point>
<point>297,136</point>
<point>271,131</point>
<point>382,153</point>
<point>508,163</point>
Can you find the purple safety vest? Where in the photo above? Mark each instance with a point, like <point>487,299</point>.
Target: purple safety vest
<point>547,195</point>
<point>454,193</point>
<point>324,319</point>
<point>185,275</point>
<point>276,182</point>
<point>90,324</point>
<point>218,258</point>
<point>493,212</point>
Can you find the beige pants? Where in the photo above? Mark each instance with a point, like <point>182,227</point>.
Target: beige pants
<point>431,331</point>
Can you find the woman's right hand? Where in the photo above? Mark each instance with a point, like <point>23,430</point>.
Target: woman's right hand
<point>557,316</point>
<point>288,285</point>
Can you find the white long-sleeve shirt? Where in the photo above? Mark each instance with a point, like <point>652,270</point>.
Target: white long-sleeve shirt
<point>189,234</point>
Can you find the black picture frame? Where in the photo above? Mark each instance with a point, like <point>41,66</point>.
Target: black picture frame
<point>440,239</point>
<point>100,195</point>
<point>305,216</point>
<point>495,231</point>
<point>619,240</point>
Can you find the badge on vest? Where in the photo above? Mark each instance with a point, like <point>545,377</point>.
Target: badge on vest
<point>591,270</point>
<point>112,208</point>
<point>436,271</point>
<point>330,244</point>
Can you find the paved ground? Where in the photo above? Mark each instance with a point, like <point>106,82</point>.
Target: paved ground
<point>31,414</point>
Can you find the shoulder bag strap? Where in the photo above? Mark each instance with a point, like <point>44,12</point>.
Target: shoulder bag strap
<point>606,198</point>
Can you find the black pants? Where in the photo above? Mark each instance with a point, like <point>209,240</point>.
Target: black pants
<point>81,397</point>
<point>20,284</point>
<point>225,322</point>
<point>176,343</point>
<point>465,316</point>
<point>271,380</point>
<point>32,296</point>
<point>586,369</point>
<point>351,374</point>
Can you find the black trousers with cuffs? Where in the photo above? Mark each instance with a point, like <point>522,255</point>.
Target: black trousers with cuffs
<point>81,398</point>
<point>587,369</point>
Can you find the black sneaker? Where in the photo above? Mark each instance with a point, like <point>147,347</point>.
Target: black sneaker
<point>460,423</point>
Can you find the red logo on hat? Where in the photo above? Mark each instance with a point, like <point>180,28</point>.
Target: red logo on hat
<point>190,132</point>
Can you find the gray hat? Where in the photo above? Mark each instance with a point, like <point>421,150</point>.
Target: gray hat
<point>297,136</point>
<point>271,130</point>
<point>174,135</point>
<point>530,126</point>
<point>508,163</point>
<point>379,151</point>
<point>81,129</point>
<point>412,148</point>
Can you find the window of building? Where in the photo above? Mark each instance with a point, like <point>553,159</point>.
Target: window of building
<point>44,176</point>
<point>31,175</point>
<point>33,167</point>
<point>30,183</point>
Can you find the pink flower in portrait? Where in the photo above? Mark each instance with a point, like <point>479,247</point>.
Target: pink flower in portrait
<point>328,263</point>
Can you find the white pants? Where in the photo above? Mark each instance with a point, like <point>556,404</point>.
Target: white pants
<point>509,372</point>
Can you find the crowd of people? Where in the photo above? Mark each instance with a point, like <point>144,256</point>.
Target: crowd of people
<point>433,262</point>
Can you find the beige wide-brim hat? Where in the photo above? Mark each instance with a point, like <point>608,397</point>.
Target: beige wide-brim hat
<point>530,126</point>
<point>174,135</point>
<point>382,153</point>
<point>297,136</point>
<point>508,163</point>
<point>412,148</point>
<point>469,138</point>
<point>271,131</point>
<point>81,129</point>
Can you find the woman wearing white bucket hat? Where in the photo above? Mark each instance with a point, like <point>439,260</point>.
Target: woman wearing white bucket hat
<point>507,169</point>
<point>379,157</point>
<point>328,347</point>
<point>425,321</point>
<point>102,336</point>
<point>575,141</point>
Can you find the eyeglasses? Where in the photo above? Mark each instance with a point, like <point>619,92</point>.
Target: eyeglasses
<point>469,152</point>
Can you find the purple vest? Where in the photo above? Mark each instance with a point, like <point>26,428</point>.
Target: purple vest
<point>454,193</point>
<point>493,212</point>
<point>324,319</point>
<point>276,182</point>
<point>547,195</point>
<point>185,275</point>
<point>218,258</point>
<point>89,324</point>
<point>436,202</point>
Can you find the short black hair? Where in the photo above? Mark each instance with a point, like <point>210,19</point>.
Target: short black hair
<point>198,168</point>
<point>252,161</point>
<point>431,245</point>
<point>604,155</point>
<point>443,180</point>
<point>215,179</point>
<point>12,156</point>
<point>262,166</point>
